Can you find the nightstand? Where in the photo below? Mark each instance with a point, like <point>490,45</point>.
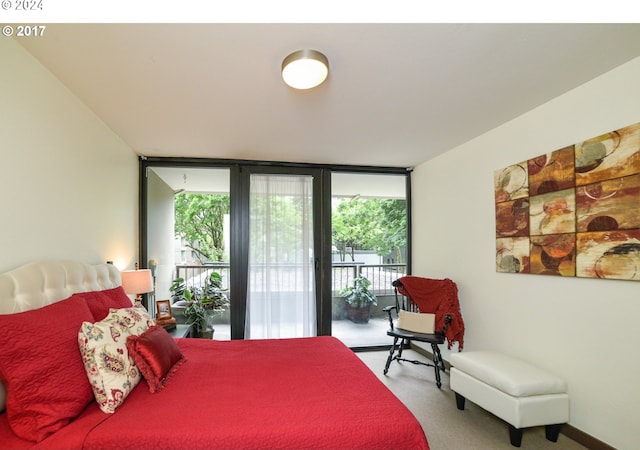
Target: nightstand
<point>181,331</point>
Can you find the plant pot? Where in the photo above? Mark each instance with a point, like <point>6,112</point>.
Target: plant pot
<point>358,314</point>
<point>205,334</point>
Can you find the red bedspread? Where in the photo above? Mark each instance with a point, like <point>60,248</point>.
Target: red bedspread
<point>306,393</point>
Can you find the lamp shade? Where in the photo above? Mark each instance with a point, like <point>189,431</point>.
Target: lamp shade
<point>305,69</point>
<point>137,281</point>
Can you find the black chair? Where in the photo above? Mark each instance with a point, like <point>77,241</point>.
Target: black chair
<point>406,303</point>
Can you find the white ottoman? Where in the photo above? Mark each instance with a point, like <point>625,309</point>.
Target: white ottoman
<point>517,392</point>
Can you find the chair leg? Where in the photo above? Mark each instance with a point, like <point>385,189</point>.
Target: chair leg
<point>391,352</point>
<point>436,351</point>
<point>436,368</point>
<point>437,362</point>
<point>403,344</point>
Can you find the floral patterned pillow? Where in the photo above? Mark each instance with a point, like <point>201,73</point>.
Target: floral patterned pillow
<point>103,346</point>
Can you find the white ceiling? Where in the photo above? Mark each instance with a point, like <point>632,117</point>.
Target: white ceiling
<point>397,94</point>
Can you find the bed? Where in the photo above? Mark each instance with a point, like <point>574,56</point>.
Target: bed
<point>302,393</point>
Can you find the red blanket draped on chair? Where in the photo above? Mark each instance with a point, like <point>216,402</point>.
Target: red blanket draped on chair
<point>439,297</point>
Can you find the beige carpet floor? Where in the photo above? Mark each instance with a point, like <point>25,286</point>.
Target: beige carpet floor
<point>446,427</point>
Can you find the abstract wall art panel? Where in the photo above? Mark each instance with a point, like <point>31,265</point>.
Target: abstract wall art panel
<point>553,254</point>
<point>612,155</point>
<point>512,182</point>
<point>574,211</point>
<point>609,254</point>
<point>609,205</point>
<point>553,213</point>
<point>512,218</point>
<point>552,172</point>
<point>512,255</point>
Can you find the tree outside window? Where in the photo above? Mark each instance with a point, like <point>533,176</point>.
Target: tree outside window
<point>370,224</point>
<point>199,220</point>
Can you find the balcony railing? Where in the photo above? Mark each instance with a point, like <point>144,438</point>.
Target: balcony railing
<point>196,275</point>
<point>380,275</point>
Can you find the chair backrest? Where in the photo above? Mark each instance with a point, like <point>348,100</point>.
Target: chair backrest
<point>436,296</point>
<point>427,295</point>
<point>403,302</point>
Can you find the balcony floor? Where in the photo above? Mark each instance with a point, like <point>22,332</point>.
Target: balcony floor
<point>352,334</point>
<point>369,334</point>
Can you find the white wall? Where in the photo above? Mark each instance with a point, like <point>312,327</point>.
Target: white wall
<point>585,330</point>
<point>160,232</point>
<point>68,184</point>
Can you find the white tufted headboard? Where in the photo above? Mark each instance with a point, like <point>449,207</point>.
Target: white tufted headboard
<point>41,283</point>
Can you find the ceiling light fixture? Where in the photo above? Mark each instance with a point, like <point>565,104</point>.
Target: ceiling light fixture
<point>305,69</point>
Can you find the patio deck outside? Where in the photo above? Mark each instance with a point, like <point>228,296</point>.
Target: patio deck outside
<point>372,334</point>
<point>352,334</point>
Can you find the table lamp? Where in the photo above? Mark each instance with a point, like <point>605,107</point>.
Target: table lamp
<point>137,282</point>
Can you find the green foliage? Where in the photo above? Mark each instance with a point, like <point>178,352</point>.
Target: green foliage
<point>200,221</point>
<point>370,224</point>
<point>197,315</point>
<point>364,224</point>
<point>212,296</point>
<point>359,295</point>
<point>393,223</point>
<point>179,290</point>
<point>202,303</point>
<point>351,224</point>
<point>286,214</point>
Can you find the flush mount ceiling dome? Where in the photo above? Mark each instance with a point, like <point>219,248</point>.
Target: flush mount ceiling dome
<point>305,69</point>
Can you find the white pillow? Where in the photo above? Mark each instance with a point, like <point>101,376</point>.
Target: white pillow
<point>416,322</point>
<point>103,346</point>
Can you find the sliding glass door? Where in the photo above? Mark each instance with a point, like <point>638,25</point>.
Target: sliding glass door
<point>279,237</point>
<point>281,293</point>
<point>369,251</point>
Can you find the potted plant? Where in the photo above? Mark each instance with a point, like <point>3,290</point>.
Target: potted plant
<point>201,304</point>
<point>358,299</point>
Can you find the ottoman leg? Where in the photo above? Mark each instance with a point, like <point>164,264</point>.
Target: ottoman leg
<point>552,432</point>
<point>459,401</point>
<point>515,435</point>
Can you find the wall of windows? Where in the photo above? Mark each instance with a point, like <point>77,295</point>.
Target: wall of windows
<point>167,184</point>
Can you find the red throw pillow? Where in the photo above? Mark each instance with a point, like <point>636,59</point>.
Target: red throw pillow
<point>101,301</point>
<point>41,367</point>
<point>156,355</point>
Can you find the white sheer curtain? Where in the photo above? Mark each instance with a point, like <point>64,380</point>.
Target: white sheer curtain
<point>281,291</point>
